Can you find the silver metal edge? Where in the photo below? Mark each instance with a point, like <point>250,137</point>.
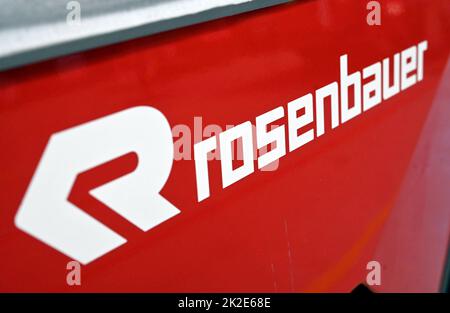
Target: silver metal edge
<point>72,46</point>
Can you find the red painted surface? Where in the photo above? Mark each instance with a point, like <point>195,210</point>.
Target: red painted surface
<point>376,188</point>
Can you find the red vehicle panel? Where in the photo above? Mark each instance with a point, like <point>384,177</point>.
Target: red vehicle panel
<point>374,188</point>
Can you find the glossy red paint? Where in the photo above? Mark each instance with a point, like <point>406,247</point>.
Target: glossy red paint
<point>376,188</point>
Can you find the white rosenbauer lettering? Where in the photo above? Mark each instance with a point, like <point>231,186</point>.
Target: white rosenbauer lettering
<point>408,69</point>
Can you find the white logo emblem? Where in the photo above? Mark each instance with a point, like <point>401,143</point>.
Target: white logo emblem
<point>45,212</point>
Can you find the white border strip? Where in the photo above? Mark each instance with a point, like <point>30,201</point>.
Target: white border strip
<point>31,37</point>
